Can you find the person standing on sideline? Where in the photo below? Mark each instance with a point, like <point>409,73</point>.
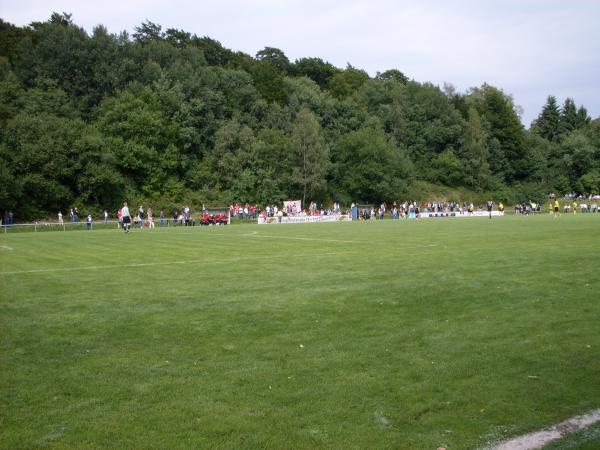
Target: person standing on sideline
<point>141,216</point>
<point>60,218</point>
<point>105,216</point>
<point>186,216</point>
<point>162,219</point>
<point>89,222</point>
<point>556,209</point>
<point>490,205</point>
<point>150,218</point>
<point>126,217</point>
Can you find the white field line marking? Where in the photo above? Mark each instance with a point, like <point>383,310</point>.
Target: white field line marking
<point>409,247</point>
<point>254,234</point>
<point>298,238</point>
<point>302,238</point>
<point>170,263</point>
<point>539,439</point>
<point>5,247</point>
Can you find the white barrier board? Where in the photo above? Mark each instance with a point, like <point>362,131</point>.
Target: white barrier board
<point>348,217</point>
<point>304,219</point>
<point>457,214</point>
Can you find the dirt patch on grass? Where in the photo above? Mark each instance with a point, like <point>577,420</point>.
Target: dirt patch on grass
<point>538,439</point>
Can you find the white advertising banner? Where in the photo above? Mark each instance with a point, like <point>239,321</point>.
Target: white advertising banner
<point>304,219</point>
<point>348,217</point>
<point>427,215</point>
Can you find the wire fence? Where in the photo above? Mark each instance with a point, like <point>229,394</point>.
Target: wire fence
<point>46,226</point>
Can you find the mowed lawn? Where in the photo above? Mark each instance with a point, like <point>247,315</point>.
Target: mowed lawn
<point>450,333</point>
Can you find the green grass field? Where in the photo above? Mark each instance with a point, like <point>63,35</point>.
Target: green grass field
<point>450,333</point>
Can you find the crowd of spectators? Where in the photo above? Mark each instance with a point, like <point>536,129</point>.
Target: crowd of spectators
<point>527,208</point>
<point>583,207</point>
<point>575,196</point>
<point>180,217</point>
<point>245,212</point>
<point>249,211</point>
<point>414,209</point>
<point>571,202</point>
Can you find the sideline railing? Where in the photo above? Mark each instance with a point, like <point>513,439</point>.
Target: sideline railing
<point>45,226</point>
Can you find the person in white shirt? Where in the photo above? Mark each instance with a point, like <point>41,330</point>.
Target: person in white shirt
<point>150,219</point>
<point>126,217</point>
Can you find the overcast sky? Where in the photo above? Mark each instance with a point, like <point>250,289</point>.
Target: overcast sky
<point>528,48</point>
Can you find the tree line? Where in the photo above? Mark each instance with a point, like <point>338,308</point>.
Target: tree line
<point>167,117</point>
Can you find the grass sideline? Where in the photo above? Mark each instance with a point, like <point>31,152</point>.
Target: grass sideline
<point>451,333</point>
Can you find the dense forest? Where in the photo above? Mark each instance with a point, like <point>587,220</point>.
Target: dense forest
<point>165,117</point>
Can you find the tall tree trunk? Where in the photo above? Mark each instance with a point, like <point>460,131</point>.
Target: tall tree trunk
<point>304,175</point>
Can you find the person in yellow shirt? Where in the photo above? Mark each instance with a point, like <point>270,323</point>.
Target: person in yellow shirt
<point>556,208</point>
<point>501,207</point>
<point>575,207</point>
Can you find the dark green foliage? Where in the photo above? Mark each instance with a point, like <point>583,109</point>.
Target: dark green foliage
<point>58,50</point>
<point>268,80</point>
<point>10,94</point>
<point>40,153</point>
<point>474,153</point>
<point>148,32</point>
<point>392,74</point>
<point>582,117</point>
<point>550,124</point>
<point>579,156</point>
<point>346,83</point>
<point>422,119</point>
<point>10,38</point>
<point>309,156</point>
<point>143,138</point>
<point>214,52</point>
<point>368,166</point>
<point>275,57</point>
<point>178,38</point>
<point>568,118</point>
<point>508,152</point>
<point>447,169</point>
<point>165,115</point>
<point>315,69</point>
